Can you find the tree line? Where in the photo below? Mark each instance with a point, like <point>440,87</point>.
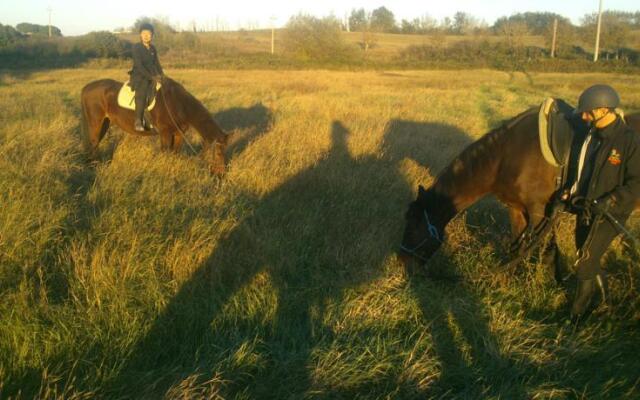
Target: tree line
<point>615,35</point>
<point>308,40</point>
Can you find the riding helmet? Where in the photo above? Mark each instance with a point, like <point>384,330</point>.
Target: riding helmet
<point>598,96</point>
<point>146,27</point>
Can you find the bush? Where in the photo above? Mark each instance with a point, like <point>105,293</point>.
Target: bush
<point>315,39</point>
<point>8,35</point>
<point>104,44</point>
<point>38,30</point>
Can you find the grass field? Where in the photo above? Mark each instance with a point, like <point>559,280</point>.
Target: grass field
<point>145,277</point>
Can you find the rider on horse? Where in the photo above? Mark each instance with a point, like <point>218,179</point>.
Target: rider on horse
<point>145,74</point>
<point>608,182</point>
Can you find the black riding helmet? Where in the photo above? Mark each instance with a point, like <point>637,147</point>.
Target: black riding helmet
<point>598,96</point>
<point>146,27</point>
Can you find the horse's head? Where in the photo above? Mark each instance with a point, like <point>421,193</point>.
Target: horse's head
<point>424,229</point>
<point>217,149</point>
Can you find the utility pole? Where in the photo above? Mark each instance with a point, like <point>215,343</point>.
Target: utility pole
<point>273,34</point>
<point>49,10</point>
<point>597,50</point>
<point>553,41</point>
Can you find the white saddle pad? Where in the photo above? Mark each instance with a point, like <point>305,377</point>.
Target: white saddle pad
<point>126,97</point>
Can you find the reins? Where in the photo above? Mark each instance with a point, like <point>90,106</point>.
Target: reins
<point>184,135</point>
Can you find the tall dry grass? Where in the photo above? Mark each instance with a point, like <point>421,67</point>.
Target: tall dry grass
<point>145,277</point>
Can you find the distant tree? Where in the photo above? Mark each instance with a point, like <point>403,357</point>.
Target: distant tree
<point>408,26</point>
<point>312,38</point>
<point>37,30</point>
<point>422,25</point>
<point>103,44</point>
<point>566,36</point>
<point>358,20</point>
<point>464,23</point>
<point>427,24</point>
<point>614,31</point>
<point>514,33</point>
<point>160,26</point>
<point>9,35</point>
<point>446,26</point>
<point>537,22</point>
<point>631,19</point>
<point>383,20</point>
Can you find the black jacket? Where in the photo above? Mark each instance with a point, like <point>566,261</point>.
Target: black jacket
<point>616,172</point>
<point>145,64</point>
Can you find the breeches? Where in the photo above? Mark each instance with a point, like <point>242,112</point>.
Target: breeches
<point>142,94</point>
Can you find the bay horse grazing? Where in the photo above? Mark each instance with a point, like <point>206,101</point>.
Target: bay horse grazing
<point>506,162</point>
<point>175,111</point>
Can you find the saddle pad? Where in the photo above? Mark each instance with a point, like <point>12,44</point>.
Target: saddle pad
<point>126,97</point>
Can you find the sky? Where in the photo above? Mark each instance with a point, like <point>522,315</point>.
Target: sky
<point>76,17</point>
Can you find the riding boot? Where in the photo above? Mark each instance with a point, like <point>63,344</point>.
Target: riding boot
<point>138,125</point>
<point>603,286</point>
<point>585,290</point>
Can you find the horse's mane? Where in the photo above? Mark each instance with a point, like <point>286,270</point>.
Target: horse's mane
<point>193,108</point>
<point>478,157</point>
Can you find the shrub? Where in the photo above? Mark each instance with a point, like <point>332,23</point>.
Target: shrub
<point>315,39</point>
<point>103,44</point>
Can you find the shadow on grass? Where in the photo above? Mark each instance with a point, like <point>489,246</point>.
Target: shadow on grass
<point>255,310</point>
<point>10,76</point>
<point>245,123</point>
<point>472,364</point>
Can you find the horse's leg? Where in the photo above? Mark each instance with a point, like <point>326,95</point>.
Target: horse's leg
<point>166,139</point>
<point>96,132</point>
<point>518,219</point>
<point>177,142</point>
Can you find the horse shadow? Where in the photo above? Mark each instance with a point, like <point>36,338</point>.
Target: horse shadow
<point>245,124</point>
<point>325,230</point>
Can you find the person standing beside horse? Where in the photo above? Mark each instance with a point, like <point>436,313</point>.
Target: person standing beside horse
<point>607,182</point>
<point>145,74</point>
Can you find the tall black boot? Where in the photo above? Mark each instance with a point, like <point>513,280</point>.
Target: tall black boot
<point>585,291</point>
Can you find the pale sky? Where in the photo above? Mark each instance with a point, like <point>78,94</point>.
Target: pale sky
<point>75,17</point>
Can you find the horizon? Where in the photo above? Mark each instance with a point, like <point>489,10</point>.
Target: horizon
<point>70,15</point>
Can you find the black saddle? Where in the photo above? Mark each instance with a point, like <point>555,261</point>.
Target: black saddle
<point>562,132</point>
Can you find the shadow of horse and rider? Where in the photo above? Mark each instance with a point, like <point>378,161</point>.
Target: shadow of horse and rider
<point>328,229</point>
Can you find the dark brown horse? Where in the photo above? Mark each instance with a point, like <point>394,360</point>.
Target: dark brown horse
<point>506,162</point>
<point>175,111</point>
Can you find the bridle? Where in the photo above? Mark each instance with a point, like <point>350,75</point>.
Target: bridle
<point>433,234</point>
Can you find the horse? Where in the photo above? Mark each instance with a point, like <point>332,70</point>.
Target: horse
<point>506,162</point>
<point>175,111</point>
